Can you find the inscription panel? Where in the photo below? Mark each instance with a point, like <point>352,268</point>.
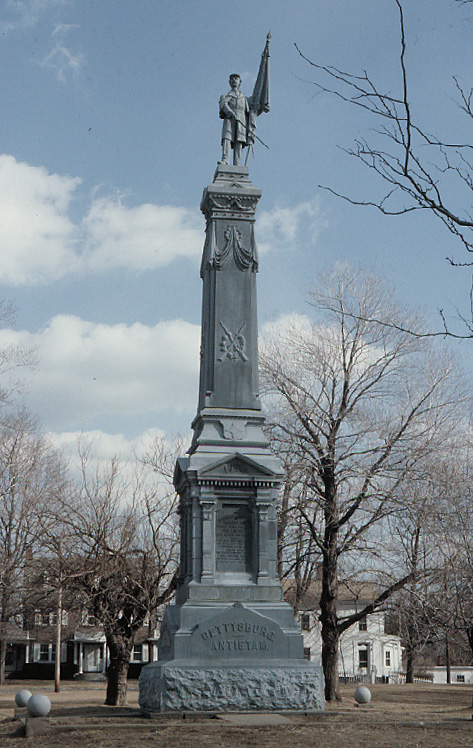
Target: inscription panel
<point>238,636</point>
<point>234,546</point>
<point>239,633</point>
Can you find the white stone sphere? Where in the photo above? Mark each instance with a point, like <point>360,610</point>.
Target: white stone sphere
<point>362,695</point>
<point>22,696</point>
<point>38,705</point>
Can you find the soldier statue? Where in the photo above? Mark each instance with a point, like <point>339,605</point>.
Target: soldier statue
<point>239,112</point>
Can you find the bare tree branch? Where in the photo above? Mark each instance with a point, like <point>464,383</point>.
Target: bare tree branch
<point>415,164</point>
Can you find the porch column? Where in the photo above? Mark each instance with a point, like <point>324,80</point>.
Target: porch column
<point>81,658</point>
<point>104,658</point>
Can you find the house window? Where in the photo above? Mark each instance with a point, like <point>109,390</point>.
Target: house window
<point>44,653</point>
<point>138,653</point>
<point>460,678</point>
<point>89,620</point>
<point>363,624</point>
<point>305,622</point>
<point>363,658</point>
<point>52,619</point>
<point>387,658</point>
<point>307,653</point>
<point>42,619</point>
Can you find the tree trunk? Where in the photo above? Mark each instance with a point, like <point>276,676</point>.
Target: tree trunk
<point>120,650</point>
<point>3,655</point>
<point>330,661</point>
<point>469,633</point>
<point>412,635</point>
<point>329,621</point>
<point>57,660</point>
<point>447,658</point>
<point>410,664</point>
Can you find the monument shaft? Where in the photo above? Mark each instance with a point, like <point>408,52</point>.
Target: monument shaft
<point>229,369</point>
<point>228,485</point>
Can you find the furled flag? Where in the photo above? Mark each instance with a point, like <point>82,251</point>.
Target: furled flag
<point>259,101</point>
<point>260,96</point>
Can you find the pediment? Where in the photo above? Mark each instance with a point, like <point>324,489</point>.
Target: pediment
<point>236,465</point>
<point>238,633</point>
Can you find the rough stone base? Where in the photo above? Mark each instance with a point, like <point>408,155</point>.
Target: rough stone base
<point>180,686</point>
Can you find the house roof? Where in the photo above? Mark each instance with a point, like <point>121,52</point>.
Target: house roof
<point>349,593</point>
<point>14,634</point>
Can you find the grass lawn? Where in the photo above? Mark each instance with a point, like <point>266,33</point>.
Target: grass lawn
<point>419,716</point>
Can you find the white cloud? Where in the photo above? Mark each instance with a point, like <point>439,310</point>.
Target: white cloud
<point>42,243</point>
<point>104,446</point>
<point>100,448</point>
<point>26,13</point>
<point>88,371</point>
<point>284,327</point>
<point>281,226</point>
<point>141,237</point>
<point>61,60</point>
<point>63,28</point>
<point>37,237</point>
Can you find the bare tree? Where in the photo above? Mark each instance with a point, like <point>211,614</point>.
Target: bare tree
<point>414,529</point>
<point>298,556</point>
<point>433,614</point>
<point>30,474</point>
<point>13,360</point>
<point>455,548</point>
<point>52,571</point>
<point>123,524</point>
<point>417,167</point>
<point>361,404</point>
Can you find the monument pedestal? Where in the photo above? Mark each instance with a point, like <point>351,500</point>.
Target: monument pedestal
<point>231,687</point>
<point>230,642</point>
<point>234,657</point>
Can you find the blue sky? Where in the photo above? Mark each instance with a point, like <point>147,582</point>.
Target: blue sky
<point>109,133</point>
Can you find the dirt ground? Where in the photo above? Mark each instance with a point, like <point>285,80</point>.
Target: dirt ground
<point>420,716</point>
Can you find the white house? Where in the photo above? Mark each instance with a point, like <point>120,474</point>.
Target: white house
<point>366,652</point>
<point>459,674</point>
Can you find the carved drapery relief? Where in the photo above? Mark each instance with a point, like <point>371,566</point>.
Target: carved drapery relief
<point>245,259</point>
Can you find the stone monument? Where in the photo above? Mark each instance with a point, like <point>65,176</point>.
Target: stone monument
<point>230,642</point>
